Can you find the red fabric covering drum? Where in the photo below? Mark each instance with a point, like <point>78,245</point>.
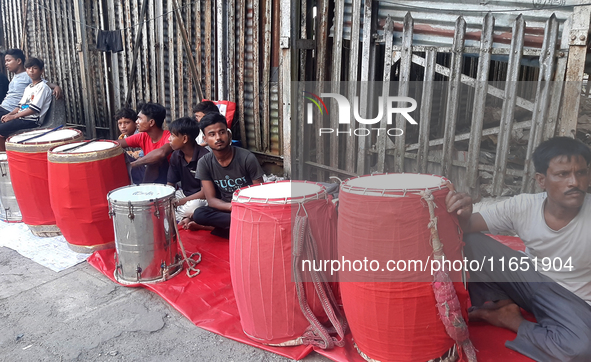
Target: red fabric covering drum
<point>393,313</point>
<point>27,161</point>
<point>81,174</point>
<point>273,307</point>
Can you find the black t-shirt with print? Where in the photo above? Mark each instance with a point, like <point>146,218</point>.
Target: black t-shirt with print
<point>243,168</point>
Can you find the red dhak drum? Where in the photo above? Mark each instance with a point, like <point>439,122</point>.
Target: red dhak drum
<point>27,161</point>
<point>262,235</point>
<point>398,221</point>
<point>81,174</point>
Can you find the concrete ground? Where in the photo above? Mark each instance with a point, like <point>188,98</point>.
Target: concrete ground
<point>80,315</point>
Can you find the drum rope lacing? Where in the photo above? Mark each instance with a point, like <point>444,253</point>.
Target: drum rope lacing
<point>316,334</point>
<point>448,304</point>
<point>191,263</point>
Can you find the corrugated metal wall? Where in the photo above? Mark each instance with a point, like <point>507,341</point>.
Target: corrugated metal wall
<point>231,43</point>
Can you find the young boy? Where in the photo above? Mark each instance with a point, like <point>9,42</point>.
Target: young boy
<point>32,107</point>
<point>125,118</point>
<point>222,171</point>
<point>182,168</point>
<point>200,110</point>
<point>151,137</point>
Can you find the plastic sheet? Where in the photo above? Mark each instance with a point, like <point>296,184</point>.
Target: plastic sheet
<point>208,301</point>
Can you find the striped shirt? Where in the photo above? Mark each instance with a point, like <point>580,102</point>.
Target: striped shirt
<point>38,98</point>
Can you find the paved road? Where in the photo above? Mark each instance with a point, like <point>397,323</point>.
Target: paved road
<point>80,315</point>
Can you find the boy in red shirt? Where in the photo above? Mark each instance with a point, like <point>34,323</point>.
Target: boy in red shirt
<point>151,136</point>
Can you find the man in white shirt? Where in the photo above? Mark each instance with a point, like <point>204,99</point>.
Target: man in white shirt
<point>553,281</point>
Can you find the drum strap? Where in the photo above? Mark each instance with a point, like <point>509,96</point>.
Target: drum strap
<point>448,304</point>
<point>192,270</point>
<point>317,334</point>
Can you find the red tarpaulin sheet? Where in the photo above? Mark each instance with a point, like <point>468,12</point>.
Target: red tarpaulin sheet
<point>208,301</point>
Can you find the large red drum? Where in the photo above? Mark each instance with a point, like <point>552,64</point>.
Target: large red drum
<point>27,161</point>
<point>393,311</point>
<point>81,174</point>
<point>261,258</point>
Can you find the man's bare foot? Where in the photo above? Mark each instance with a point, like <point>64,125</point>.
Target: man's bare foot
<point>507,315</point>
<point>184,222</point>
<point>193,226</point>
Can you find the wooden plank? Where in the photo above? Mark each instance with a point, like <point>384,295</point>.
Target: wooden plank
<point>231,87</point>
<point>171,60</point>
<point>124,18</point>
<point>558,83</point>
<point>100,73</point>
<point>72,93</point>
<point>144,72</point>
<point>188,23</point>
<point>547,62</point>
<point>453,96</point>
<point>187,48</point>
<point>151,36</point>
<point>508,109</point>
<point>425,112</point>
<point>265,79</point>
<point>161,78</point>
<point>61,56</point>
<point>286,34</point>
<point>256,75</point>
<point>207,36</point>
<point>300,144</point>
<point>241,66</point>
<point>403,88</point>
<point>139,91</point>
<point>84,68</point>
<point>198,40</point>
<point>136,48</point>
<point>382,137</point>
<point>574,71</point>
<point>350,152</point>
<point>114,57</point>
<point>181,54</point>
<point>364,92</point>
<point>480,93</point>
<point>221,59</point>
<point>337,56</point>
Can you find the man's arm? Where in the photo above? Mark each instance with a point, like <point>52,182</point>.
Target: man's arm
<point>14,115</point>
<point>257,181</point>
<point>57,91</point>
<point>209,189</point>
<point>198,195</point>
<point>461,204</point>
<point>153,157</point>
<point>122,142</point>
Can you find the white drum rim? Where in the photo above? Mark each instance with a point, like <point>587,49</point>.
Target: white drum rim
<point>113,201</point>
<point>393,192</point>
<point>320,195</point>
<point>83,145</point>
<point>71,133</point>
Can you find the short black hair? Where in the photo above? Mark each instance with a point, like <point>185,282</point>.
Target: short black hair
<point>185,126</point>
<point>34,62</point>
<point>212,118</point>
<point>206,107</point>
<point>154,111</point>
<point>125,113</point>
<point>559,146</point>
<point>16,54</point>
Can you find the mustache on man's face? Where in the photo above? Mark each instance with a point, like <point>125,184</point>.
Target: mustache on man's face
<point>574,190</point>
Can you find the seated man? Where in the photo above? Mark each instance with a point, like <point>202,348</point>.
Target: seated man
<point>200,110</point>
<point>151,137</point>
<point>32,107</point>
<point>222,171</point>
<point>125,118</point>
<point>553,281</point>
<point>183,166</point>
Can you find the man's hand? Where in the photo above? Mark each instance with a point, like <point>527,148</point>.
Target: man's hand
<point>8,117</point>
<point>181,201</point>
<point>57,92</point>
<point>458,202</point>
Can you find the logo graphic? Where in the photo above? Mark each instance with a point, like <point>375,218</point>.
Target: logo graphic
<point>385,107</point>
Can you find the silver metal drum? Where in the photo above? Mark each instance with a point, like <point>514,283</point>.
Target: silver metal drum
<point>144,223</point>
<point>9,211</point>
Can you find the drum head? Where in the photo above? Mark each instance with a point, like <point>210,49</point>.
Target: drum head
<point>392,183</point>
<point>282,192</point>
<point>90,147</point>
<point>60,134</point>
<point>140,193</point>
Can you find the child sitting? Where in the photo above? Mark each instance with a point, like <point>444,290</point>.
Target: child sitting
<point>32,107</point>
<point>200,110</point>
<point>125,118</point>
<point>182,167</point>
<point>150,138</point>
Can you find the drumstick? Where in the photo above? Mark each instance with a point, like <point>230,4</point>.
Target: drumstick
<point>41,135</point>
<point>80,145</point>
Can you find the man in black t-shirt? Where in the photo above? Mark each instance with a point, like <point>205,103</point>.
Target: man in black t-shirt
<point>222,171</point>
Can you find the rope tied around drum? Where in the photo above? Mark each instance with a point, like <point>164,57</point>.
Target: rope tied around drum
<point>448,304</point>
<point>191,262</point>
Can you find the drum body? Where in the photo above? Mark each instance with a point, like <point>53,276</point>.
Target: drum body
<point>261,257</point>
<point>144,223</point>
<point>383,217</point>
<point>27,162</point>
<point>79,181</point>
<point>9,211</point>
